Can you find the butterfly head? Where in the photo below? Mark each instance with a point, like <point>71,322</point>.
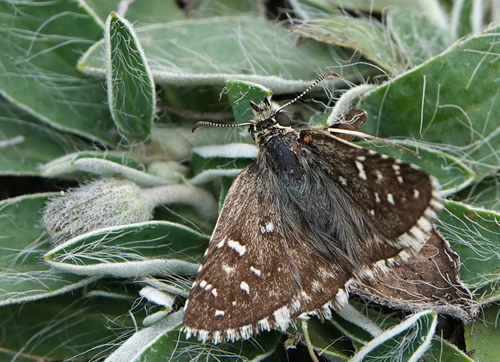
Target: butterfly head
<point>269,118</point>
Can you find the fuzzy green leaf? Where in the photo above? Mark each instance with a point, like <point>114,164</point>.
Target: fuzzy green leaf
<point>41,43</point>
<point>443,351</point>
<point>327,340</point>
<point>25,146</point>
<point>406,341</point>
<point>450,100</point>
<point>485,193</point>
<point>131,90</point>
<point>417,38</point>
<point>212,51</point>
<point>142,12</point>
<point>240,94</point>
<point>366,37</point>
<point>69,327</point>
<point>212,8</point>
<point>482,335</point>
<point>474,234</point>
<point>371,6</point>
<point>208,162</point>
<point>79,165</point>
<point>174,345</point>
<point>149,248</point>
<point>22,244</point>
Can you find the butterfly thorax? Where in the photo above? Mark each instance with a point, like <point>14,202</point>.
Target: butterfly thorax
<point>276,140</point>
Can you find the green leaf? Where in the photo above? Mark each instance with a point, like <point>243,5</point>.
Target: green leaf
<point>175,346</point>
<point>417,38</point>
<point>76,165</point>
<point>482,335</point>
<point>371,6</point>
<point>149,12</point>
<point>41,43</point>
<point>68,327</point>
<point>211,8</point>
<point>148,248</point>
<point>450,105</point>
<point>474,234</point>
<point>240,94</point>
<point>462,18</point>
<point>327,340</point>
<point>310,9</point>
<point>224,157</point>
<point>363,36</point>
<point>451,173</point>
<point>443,351</point>
<point>23,274</point>
<point>163,341</point>
<point>131,89</point>
<point>406,341</point>
<point>25,146</point>
<point>212,51</point>
<point>485,193</point>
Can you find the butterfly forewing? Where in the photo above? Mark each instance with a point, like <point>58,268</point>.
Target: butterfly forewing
<point>239,286</point>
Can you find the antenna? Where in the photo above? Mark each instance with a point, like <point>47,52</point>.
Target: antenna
<point>213,124</point>
<point>320,79</point>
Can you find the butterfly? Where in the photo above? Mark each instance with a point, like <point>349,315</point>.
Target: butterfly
<point>297,227</point>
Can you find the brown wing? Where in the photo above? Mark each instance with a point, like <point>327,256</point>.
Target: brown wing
<point>389,205</point>
<point>256,274</point>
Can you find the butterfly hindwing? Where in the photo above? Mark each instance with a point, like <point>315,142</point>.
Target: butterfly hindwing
<point>393,202</point>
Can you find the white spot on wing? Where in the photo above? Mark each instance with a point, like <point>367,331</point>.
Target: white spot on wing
<point>416,193</point>
<point>361,169</point>
<point>219,313</point>
<point>377,197</point>
<point>390,199</point>
<point>236,246</point>
<point>227,269</point>
<point>316,286</point>
<point>220,244</point>
<point>306,296</point>
<point>214,292</point>
<point>343,181</point>
<point>244,286</point>
<point>269,228</point>
<point>255,271</point>
<point>203,284</point>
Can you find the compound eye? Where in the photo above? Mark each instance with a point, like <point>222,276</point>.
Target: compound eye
<point>282,119</point>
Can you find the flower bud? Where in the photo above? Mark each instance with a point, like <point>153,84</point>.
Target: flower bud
<point>95,205</point>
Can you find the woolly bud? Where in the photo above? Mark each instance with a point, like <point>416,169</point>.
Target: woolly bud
<point>98,204</point>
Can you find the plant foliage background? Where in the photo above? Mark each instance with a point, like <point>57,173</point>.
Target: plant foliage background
<point>86,94</point>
